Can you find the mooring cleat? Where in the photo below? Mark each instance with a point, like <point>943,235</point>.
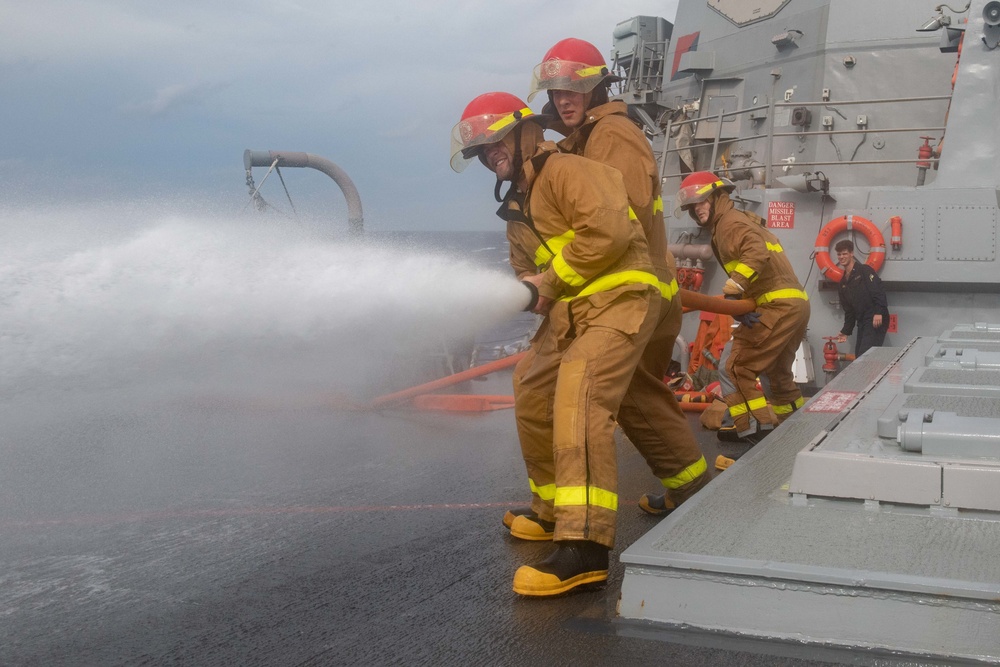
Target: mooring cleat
<point>575,564</point>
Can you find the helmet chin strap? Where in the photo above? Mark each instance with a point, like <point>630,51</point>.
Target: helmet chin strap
<point>517,159</point>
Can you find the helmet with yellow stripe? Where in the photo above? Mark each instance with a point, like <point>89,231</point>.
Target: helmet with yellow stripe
<point>573,65</point>
<point>487,119</point>
<point>698,187</point>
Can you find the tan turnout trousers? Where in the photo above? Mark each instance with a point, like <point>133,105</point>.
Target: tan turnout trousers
<point>567,394</point>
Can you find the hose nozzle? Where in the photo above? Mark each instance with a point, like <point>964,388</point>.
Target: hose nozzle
<point>532,296</point>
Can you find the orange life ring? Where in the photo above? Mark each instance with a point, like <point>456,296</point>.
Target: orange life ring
<point>829,268</point>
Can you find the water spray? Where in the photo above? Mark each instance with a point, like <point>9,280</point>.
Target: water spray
<point>190,299</point>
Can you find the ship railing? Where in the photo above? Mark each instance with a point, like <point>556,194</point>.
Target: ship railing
<point>644,71</point>
<point>770,134</point>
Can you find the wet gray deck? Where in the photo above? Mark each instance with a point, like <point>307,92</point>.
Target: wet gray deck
<point>243,517</point>
<point>260,523</point>
<point>748,558</point>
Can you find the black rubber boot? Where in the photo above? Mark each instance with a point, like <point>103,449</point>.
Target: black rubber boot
<point>754,438</point>
<point>573,564</point>
<point>729,434</point>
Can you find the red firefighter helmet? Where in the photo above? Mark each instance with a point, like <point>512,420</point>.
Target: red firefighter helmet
<point>573,65</point>
<point>486,120</point>
<point>698,187</point>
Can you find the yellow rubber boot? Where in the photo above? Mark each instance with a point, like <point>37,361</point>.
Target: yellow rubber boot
<point>723,462</point>
<point>573,564</point>
<point>509,517</point>
<point>530,527</point>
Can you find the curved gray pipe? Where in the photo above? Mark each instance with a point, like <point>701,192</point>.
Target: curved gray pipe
<point>355,219</point>
<point>701,251</point>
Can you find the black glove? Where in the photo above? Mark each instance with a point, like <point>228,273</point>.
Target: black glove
<point>749,319</point>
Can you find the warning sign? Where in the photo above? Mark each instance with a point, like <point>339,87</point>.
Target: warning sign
<point>831,401</point>
<point>781,214</point>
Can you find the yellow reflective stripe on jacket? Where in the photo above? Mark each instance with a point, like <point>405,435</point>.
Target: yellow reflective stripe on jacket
<point>741,269</point>
<point>657,208</point>
<point>742,408</point>
<point>613,280</point>
<point>686,476</point>
<point>543,256</point>
<point>745,270</point>
<point>547,492</point>
<point>668,291</point>
<point>544,253</point>
<point>782,294</point>
<point>789,408</point>
<point>586,495</point>
<point>510,118</point>
<point>566,272</point>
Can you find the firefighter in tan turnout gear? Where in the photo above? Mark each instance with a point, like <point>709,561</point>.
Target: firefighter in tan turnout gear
<point>601,300</point>
<point>766,340</point>
<point>576,78</point>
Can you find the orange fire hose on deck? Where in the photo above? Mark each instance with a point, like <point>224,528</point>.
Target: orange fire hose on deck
<point>689,401</point>
<point>694,401</point>
<point>715,304</point>
<point>485,369</point>
<point>462,402</point>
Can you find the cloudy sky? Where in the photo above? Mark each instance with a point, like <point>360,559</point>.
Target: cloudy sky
<point>110,100</point>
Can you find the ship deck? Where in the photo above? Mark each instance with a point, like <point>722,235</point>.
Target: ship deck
<point>206,526</point>
<point>829,535</point>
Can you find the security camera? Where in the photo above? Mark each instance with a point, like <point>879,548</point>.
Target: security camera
<point>991,13</point>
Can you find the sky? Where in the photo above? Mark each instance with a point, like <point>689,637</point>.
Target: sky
<point>119,100</point>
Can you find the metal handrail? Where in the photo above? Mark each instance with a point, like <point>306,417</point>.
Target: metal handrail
<point>770,135</point>
<point>828,103</point>
<point>637,74</point>
<point>886,130</point>
<point>355,218</point>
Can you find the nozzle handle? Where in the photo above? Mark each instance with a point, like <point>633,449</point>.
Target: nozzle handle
<point>533,298</point>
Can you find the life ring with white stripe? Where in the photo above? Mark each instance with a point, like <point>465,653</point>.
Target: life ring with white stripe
<point>876,255</point>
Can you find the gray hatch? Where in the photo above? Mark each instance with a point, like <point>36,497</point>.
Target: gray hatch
<point>870,519</point>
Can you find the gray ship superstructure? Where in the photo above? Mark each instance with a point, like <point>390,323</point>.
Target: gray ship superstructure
<point>870,519</point>
<point>822,110</point>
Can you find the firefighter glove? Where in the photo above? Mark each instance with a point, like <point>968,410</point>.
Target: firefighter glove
<point>749,319</point>
<point>732,288</point>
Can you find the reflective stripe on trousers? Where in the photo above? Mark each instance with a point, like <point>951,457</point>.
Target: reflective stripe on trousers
<point>686,476</point>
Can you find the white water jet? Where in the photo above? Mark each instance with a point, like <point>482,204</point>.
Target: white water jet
<point>103,297</point>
